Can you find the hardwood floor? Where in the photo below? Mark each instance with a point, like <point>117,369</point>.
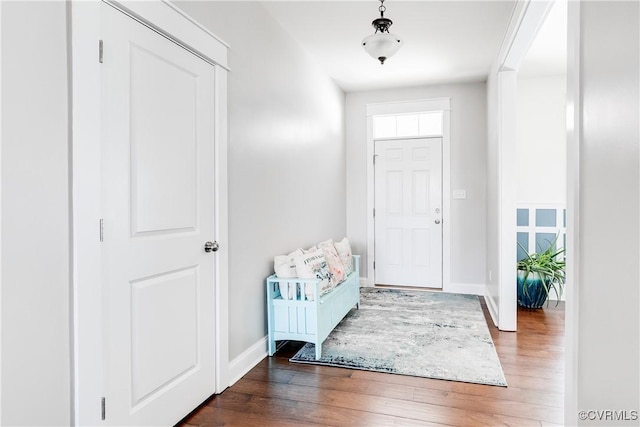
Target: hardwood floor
<point>279,393</point>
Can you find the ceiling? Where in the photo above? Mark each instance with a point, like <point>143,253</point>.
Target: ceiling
<point>444,41</point>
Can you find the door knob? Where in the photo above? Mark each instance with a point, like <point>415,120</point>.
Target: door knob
<point>437,221</point>
<point>211,247</point>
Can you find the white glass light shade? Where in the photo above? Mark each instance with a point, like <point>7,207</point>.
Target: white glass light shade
<point>381,45</point>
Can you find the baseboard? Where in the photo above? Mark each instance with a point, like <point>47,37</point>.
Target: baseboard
<point>491,305</point>
<point>246,361</point>
<point>465,288</point>
<point>364,282</point>
<point>454,288</point>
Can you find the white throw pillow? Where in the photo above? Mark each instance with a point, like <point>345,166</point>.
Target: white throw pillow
<point>344,251</point>
<point>285,267</point>
<point>333,261</point>
<point>313,265</point>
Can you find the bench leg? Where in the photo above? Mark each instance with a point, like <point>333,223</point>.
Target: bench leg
<point>318,351</point>
<point>272,346</point>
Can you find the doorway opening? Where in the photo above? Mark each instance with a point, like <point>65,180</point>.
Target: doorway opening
<point>541,139</point>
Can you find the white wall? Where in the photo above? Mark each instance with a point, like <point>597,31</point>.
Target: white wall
<point>603,309</point>
<point>286,155</point>
<point>542,139</point>
<point>468,171</point>
<point>35,215</point>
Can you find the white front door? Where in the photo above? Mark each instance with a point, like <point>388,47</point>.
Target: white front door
<point>408,212</point>
<point>158,200</point>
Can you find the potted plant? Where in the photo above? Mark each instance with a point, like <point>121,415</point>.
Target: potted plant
<point>538,274</point>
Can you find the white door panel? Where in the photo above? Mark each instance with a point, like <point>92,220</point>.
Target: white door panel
<point>158,194</point>
<point>408,212</point>
<point>163,144</point>
<point>164,314</point>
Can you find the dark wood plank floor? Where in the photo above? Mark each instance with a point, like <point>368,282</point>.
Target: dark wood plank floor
<point>279,393</point>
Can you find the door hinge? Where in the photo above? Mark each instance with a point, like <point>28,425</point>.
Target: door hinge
<point>374,212</point>
<point>100,51</point>
<point>374,265</point>
<point>103,409</point>
<point>101,230</point>
<point>374,158</point>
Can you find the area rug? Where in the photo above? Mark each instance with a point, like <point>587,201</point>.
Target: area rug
<point>424,334</point>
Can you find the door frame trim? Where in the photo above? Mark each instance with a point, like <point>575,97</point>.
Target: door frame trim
<point>412,106</point>
<point>86,182</point>
<point>574,265</point>
<point>1,207</point>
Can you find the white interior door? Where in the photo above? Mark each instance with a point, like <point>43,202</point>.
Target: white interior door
<point>408,212</point>
<point>158,200</point>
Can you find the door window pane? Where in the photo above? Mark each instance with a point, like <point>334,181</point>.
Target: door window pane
<point>407,125</point>
<point>431,123</point>
<point>384,126</point>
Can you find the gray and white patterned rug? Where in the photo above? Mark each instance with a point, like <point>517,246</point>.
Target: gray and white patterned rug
<point>423,334</point>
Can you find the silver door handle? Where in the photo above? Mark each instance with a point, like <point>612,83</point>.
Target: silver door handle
<point>437,221</point>
<point>211,247</point>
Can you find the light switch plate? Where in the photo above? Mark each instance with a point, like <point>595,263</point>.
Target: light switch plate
<point>459,194</point>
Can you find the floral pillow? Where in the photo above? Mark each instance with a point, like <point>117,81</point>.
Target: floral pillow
<point>313,265</point>
<point>333,261</point>
<point>344,251</point>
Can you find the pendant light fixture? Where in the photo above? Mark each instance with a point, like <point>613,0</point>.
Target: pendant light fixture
<point>382,45</point>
